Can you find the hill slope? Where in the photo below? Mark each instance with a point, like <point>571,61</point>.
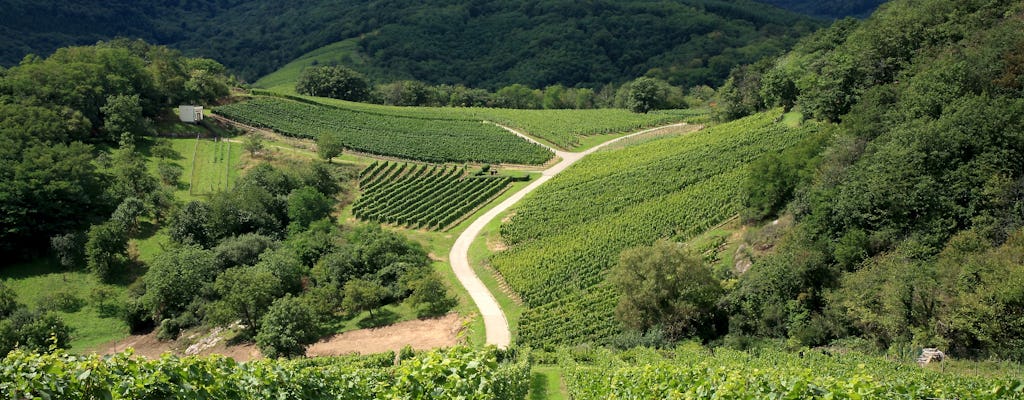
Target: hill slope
<point>485,43</point>
<point>829,9</point>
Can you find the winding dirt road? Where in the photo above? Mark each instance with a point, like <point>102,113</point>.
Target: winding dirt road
<point>495,324</point>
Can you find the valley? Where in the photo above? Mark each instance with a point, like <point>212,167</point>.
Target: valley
<point>749,203</point>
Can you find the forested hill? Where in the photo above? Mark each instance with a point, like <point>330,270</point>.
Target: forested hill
<point>486,43</point>
<point>829,8</point>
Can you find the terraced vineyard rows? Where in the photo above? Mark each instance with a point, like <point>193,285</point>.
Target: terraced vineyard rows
<point>563,128</point>
<point>566,236</point>
<point>422,139</point>
<point>690,371</point>
<point>450,373</point>
<point>422,195</point>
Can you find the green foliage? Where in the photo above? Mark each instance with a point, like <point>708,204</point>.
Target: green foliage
<point>666,285</point>
<point>570,232</point>
<point>336,82</point>
<point>69,249</point>
<point>175,280</point>
<point>192,224</point>
<point>453,373</point>
<point>106,250</point>
<point>253,143</point>
<point>126,215</point>
<point>244,294</point>
<point>122,118</point>
<point>45,189</point>
<point>694,372</point>
<point>306,205</point>
<point>286,329</point>
<point>33,331</point>
<point>422,196</point>
<point>243,250</point>
<point>563,128</point>
<point>775,176</point>
<point>425,139</point>
<point>829,8</point>
<point>362,295</point>
<point>8,301</point>
<point>130,176</point>
<point>646,94</point>
<point>329,145</point>
<point>169,172</point>
<point>428,294</point>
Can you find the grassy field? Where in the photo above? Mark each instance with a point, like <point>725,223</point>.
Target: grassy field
<point>39,282</point>
<point>209,165</point>
<point>283,80</point>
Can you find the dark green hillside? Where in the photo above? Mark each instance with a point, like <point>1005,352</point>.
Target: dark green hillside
<point>829,8</point>
<point>910,222</point>
<point>481,44</point>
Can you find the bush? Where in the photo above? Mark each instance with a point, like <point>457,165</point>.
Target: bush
<point>61,301</point>
<point>287,329</point>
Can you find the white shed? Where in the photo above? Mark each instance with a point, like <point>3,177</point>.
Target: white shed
<point>191,114</point>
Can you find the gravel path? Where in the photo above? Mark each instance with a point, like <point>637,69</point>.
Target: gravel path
<point>495,323</point>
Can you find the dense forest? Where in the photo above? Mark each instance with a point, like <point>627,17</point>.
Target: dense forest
<point>830,8</point>
<point>909,218</point>
<point>487,44</point>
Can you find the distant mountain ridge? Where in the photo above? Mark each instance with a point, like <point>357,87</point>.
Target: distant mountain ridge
<point>485,43</point>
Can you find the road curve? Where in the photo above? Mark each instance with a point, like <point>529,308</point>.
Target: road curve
<point>495,324</point>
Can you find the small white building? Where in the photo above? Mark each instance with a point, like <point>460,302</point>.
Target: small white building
<point>191,114</point>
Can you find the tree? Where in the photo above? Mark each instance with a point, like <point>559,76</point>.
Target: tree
<point>164,150</point>
<point>647,94</point>
<point>362,295</point>
<point>169,172</point>
<point>518,96</point>
<point>106,250</point>
<point>306,205</point>
<point>428,293</point>
<point>8,301</point>
<point>253,143</point>
<point>287,329</point>
<point>122,117</point>
<point>329,145</point>
<point>245,294</point>
<point>333,81</point>
<point>131,176</point>
<point>243,249</point>
<point>33,331</point>
<point>191,224</point>
<point>176,278</point>
<point>668,286</point>
<point>69,249</point>
<point>127,214</point>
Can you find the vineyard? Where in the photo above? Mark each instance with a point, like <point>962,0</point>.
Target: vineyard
<point>452,373</point>
<point>693,372</point>
<point>563,128</point>
<point>422,139</point>
<point>566,236</point>
<point>422,195</point>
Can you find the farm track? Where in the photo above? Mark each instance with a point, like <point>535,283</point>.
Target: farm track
<point>495,324</point>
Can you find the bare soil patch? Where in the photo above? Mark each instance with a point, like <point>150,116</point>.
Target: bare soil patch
<point>421,334</point>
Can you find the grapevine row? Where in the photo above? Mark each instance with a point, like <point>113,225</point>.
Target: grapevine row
<point>452,373</point>
<point>567,235</point>
<point>410,138</point>
<point>423,196</point>
<point>692,372</point>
